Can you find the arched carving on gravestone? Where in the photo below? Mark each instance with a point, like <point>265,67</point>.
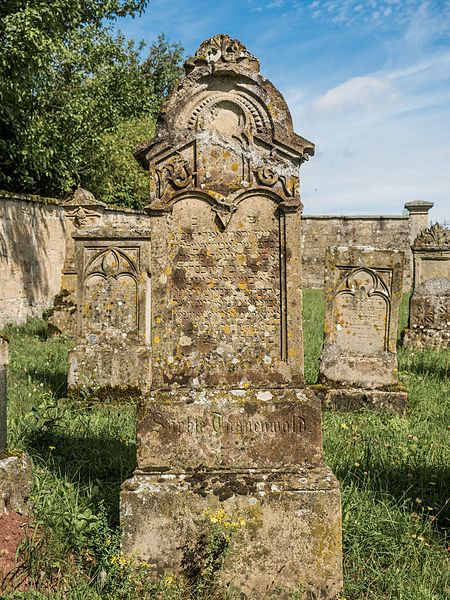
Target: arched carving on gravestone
<point>226,128</point>
<point>105,298</point>
<point>360,295</point>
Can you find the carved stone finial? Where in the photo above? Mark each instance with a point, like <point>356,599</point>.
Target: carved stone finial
<point>82,197</point>
<point>221,50</point>
<point>436,237</point>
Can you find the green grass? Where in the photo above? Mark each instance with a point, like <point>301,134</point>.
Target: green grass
<point>393,470</point>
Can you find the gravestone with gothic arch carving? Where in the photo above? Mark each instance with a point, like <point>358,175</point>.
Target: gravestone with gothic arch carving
<point>363,292</point>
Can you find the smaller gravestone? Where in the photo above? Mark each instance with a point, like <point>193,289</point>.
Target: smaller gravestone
<point>363,292</point>
<point>429,309</point>
<point>81,210</point>
<point>3,392</point>
<point>16,477</point>
<point>113,350</point>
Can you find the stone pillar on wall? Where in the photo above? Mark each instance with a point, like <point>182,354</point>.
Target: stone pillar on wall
<point>418,214</point>
<point>81,210</point>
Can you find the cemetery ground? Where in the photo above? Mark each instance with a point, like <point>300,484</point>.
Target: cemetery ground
<point>393,470</point>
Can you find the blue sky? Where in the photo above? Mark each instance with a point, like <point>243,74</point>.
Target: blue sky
<point>367,81</point>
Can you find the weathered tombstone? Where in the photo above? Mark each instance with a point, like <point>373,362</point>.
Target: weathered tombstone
<point>229,427</point>
<point>363,292</point>
<point>16,477</point>
<point>429,309</point>
<point>81,210</point>
<point>3,392</point>
<point>113,345</point>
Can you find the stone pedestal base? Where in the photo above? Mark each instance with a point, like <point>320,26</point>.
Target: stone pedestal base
<point>110,368</point>
<point>16,482</point>
<point>359,398</point>
<point>284,528</point>
<point>426,338</point>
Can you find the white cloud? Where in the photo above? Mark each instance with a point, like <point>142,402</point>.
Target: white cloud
<point>382,139</point>
<point>366,92</point>
<point>381,13</point>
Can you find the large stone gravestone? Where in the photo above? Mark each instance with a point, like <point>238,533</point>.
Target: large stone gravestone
<point>229,428</point>
<point>113,341</point>
<point>363,292</point>
<point>429,309</point>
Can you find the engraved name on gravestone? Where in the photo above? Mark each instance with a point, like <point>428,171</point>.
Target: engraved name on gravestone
<point>229,424</point>
<point>363,288</point>
<point>113,329</point>
<point>429,309</point>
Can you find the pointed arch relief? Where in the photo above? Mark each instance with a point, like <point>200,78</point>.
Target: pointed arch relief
<point>362,311</point>
<point>110,291</point>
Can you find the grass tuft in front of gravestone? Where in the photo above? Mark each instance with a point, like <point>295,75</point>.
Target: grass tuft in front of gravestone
<point>393,472</point>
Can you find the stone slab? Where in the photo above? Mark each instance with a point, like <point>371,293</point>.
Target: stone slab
<point>429,307</point>
<point>229,429</point>
<point>350,399</point>
<point>426,338</point>
<point>363,292</point>
<point>113,347</point>
<point>62,317</point>
<point>16,483</point>
<point>104,366</point>
<point>288,540</point>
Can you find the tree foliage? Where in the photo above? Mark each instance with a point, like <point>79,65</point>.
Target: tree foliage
<point>69,89</point>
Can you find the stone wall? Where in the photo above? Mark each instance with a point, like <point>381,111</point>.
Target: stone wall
<point>32,251</point>
<point>321,232</point>
<point>33,234</point>
<point>32,248</point>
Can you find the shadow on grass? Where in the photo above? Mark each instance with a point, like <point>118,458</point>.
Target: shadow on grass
<point>53,379</point>
<point>98,465</point>
<point>430,366</point>
<point>33,327</point>
<point>424,488</point>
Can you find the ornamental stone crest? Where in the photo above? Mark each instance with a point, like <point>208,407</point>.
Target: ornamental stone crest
<point>435,237</point>
<point>225,130</point>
